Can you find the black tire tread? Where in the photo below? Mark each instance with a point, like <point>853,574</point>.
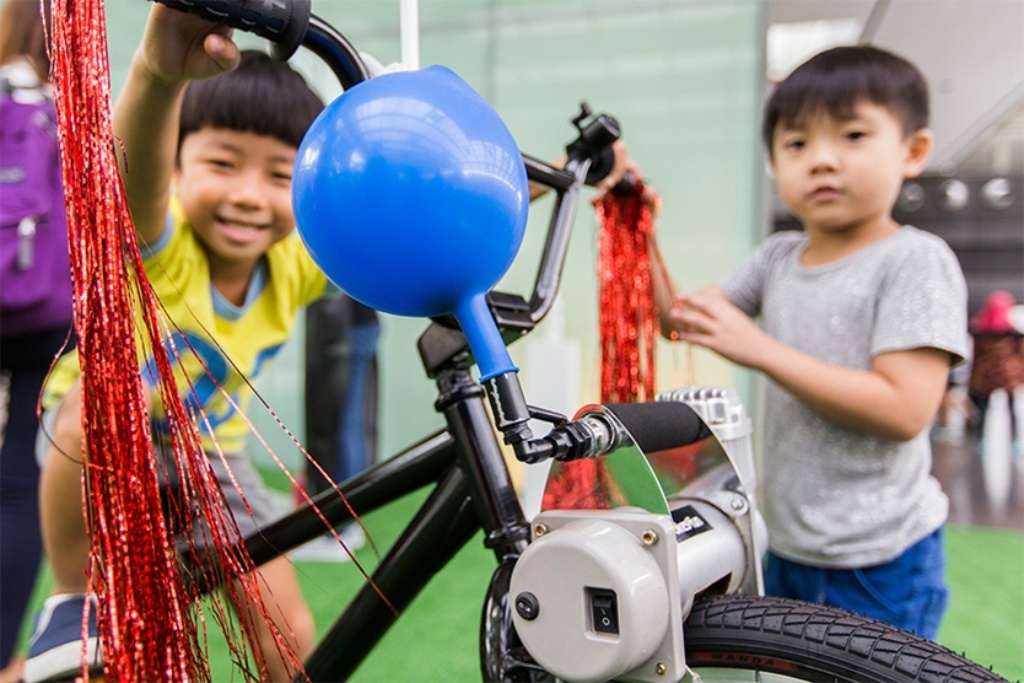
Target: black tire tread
<point>837,644</point>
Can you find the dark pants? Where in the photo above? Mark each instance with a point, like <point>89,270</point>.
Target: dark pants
<point>341,390</point>
<point>356,434</point>
<point>26,361</point>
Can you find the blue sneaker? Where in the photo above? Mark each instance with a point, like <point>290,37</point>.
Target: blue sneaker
<point>55,649</point>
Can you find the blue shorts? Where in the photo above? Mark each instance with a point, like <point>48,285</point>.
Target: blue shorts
<point>909,592</point>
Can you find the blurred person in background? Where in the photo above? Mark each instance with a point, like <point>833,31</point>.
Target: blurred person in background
<point>35,302</point>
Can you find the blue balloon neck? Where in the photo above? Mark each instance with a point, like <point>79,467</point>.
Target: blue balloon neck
<point>484,338</point>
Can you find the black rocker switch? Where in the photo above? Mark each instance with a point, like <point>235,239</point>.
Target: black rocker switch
<point>603,609</point>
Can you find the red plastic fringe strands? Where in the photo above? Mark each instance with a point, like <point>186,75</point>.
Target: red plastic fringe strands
<point>151,625</point>
<point>627,334</point>
<point>627,315</point>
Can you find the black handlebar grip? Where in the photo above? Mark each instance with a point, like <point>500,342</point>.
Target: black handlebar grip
<point>283,22</point>
<point>660,425</point>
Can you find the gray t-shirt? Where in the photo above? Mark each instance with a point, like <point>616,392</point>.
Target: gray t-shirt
<point>832,496</point>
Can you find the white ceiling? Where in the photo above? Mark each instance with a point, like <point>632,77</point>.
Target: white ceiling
<point>972,54</point>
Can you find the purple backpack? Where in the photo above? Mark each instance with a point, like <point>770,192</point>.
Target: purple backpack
<point>35,277</point>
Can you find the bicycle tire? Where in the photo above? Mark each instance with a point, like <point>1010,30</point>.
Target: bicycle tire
<point>745,638</point>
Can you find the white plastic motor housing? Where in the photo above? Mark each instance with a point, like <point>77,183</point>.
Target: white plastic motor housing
<point>711,549</point>
<point>651,565</point>
<point>584,556</point>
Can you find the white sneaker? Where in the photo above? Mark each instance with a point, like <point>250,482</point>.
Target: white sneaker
<point>327,548</point>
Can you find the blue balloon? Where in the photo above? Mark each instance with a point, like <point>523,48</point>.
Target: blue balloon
<point>411,194</point>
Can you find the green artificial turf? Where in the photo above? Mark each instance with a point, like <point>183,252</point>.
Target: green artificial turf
<point>436,638</point>
<point>985,620</point>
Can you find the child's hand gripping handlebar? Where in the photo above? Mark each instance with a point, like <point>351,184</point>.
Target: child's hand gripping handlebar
<point>287,24</point>
<point>283,22</point>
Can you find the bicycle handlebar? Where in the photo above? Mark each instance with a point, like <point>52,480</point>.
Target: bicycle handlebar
<point>660,425</point>
<point>283,23</point>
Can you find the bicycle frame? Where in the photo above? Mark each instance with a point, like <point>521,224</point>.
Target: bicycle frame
<point>463,465</point>
<point>472,488</point>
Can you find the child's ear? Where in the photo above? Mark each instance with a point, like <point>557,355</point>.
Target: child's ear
<point>919,151</point>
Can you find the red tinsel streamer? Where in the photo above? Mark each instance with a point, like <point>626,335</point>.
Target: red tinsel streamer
<point>627,315</point>
<point>148,616</point>
<point>627,322</point>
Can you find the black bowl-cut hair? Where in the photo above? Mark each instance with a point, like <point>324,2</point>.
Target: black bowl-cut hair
<point>836,80</point>
<point>261,96</point>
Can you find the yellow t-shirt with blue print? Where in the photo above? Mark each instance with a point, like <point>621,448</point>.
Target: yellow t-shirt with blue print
<point>233,344</point>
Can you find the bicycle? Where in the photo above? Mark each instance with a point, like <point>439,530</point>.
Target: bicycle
<point>656,587</point>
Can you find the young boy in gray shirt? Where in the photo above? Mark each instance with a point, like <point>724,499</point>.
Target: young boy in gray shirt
<point>860,321</point>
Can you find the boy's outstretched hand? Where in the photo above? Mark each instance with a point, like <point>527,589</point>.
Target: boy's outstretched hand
<point>176,48</point>
<point>709,319</point>
<point>179,47</point>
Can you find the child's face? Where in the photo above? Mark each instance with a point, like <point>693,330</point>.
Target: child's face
<point>836,175</point>
<point>235,188</point>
